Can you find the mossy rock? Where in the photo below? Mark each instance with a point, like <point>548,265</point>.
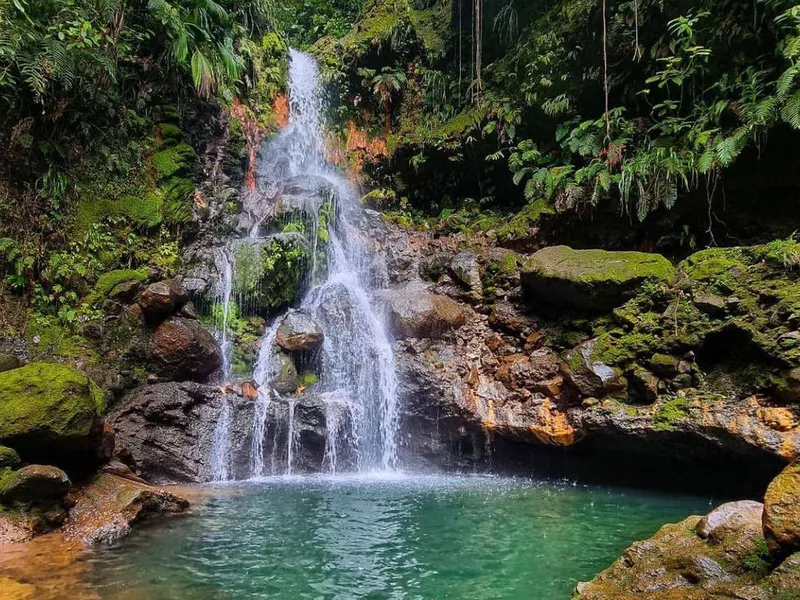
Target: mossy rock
<point>271,273</point>
<point>108,281</point>
<point>591,279</point>
<point>50,413</point>
<point>177,160</point>
<point>9,459</point>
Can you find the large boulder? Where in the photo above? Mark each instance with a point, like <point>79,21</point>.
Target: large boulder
<point>51,413</point>
<point>299,332</point>
<point>168,430</point>
<point>107,508</point>
<point>782,511</point>
<point>417,313</point>
<point>184,350</point>
<point>34,484</point>
<point>590,279</point>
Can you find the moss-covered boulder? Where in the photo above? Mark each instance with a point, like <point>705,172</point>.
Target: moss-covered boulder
<point>50,413</point>
<point>782,511</point>
<point>34,484</point>
<point>590,279</point>
<point>9,458</point>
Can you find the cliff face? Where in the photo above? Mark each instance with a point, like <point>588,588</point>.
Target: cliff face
<point>604,354</point>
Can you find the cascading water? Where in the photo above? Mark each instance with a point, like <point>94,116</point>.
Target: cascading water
<point>357,381</point>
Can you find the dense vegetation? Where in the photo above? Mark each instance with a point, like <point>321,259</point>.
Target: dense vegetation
<point>672,118</point>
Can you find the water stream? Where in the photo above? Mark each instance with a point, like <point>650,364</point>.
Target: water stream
<point>357,377</point>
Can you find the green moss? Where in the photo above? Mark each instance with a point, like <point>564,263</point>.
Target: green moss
<point>169,133</point>
<point>43,403</point>
<point>758,560</point>
<point>108,281</point>
<point>308,379</point>
<point>270,274</point>
<point>48,337</point>
<point>520,224</point>
<point>9,459</point>
<point>670,413</point>
<point>176,160</point>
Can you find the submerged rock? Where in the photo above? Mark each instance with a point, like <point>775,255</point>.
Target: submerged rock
<point>298,332</point>
<point>184,349</point>
<point>782,511</point>
<point>106,508</point>
<point>51,413</point>
<point>590,279</point>
<point>417,313</point>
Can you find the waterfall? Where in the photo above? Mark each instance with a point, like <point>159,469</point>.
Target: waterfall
<point>220,448</point>
<point>222,310</point>
<point>357,382</point>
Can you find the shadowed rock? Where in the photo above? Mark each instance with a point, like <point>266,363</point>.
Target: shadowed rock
<point>184,349</point>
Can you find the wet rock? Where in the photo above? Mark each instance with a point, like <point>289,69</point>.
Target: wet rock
<point>287,379</point>
<point>417,313</point>
<point>590,376</point>
<point>50,413</point>
<point>298,332</point>
<point>466,270</point>
<point>161,299</point>
<point>107,508</point>
<point>34,484</point>
<point>8,362</point>
<point>710,304</point>
<point>183,349</point>
<point>590,279</point>
<point>782,511</point>
<point>167,430</point>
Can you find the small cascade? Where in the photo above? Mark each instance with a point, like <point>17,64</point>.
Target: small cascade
<point>222,310</point>
<point>220,449</point>
<point>301,199</point>
<point>265,371</point>
<point>290,438</point>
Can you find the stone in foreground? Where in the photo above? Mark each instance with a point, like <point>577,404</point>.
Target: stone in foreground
<point>34,484</point>
<point>590,279</point>
<point>184,350</point>
<point>782,511</point>
<point>107,508</point>
<point>50,413</point>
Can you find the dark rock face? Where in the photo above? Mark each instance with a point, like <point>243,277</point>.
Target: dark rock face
<point>184,349</point>
<point>168,429</point>
<point>417,313</point>
<point>299,333</point>
<point>35,484</point>
<point>590,279</point>
<point>782,511</point>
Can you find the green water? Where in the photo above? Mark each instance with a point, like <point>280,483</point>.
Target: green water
<point>465,538</point>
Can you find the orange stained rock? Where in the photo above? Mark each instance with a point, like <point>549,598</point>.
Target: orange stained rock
<point>777,418</point>
<point>490,421</point>
<point>553,428</point>
<point>280,108</point>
